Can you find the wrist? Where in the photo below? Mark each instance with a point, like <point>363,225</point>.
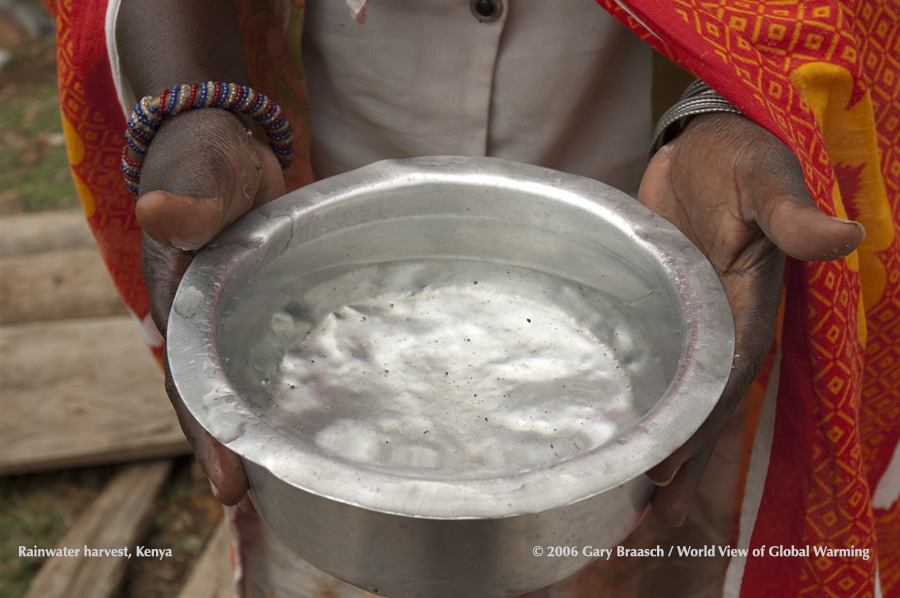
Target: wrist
<point>150,113</point>
<point>697,100</point>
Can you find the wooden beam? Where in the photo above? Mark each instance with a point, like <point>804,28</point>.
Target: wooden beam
<point>82,392</point>
<point>22,234</point>
<point>119,518</point>
<point>55,285</point>
<point>212,575</point>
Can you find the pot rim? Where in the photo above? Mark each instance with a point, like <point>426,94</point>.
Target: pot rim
<point>702,372</point>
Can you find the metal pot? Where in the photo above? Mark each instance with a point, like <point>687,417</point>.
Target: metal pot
<point>437,369</point>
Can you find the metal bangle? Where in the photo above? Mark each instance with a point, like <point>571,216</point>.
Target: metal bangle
<point>698,98</point>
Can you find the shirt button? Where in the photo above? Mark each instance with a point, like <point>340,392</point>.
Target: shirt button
<point>486,11</point>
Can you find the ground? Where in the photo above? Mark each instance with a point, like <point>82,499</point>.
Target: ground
<point>37,509</point>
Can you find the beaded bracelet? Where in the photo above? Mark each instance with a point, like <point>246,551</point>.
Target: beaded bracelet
<point>150,111</point>
<point>698,98</point>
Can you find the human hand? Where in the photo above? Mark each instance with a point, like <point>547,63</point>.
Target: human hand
<point>738,193</point>
<point>201,173</point>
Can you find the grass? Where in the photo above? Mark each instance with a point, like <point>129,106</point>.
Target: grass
<point>37,511</point>
<point>43,186</point>
<point>34,170</point>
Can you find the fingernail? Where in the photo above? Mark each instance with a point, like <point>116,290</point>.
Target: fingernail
<point>184,245</point>
<point>215,490</point>
<point>247,506</point>
<point>858,225</point>
<point>664,482</point>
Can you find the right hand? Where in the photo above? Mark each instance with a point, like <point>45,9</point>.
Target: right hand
<point>201,173</point>
<point>738,193</point>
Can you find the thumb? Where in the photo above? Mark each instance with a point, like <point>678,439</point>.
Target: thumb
<point>202,172</point>
<point>181,221</point>
<point>802,231</point>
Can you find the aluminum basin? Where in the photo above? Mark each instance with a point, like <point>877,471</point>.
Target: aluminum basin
<point>432,366</point>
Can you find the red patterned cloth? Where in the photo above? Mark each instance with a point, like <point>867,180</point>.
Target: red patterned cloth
<point>823,76</point>
<point>93,127</point>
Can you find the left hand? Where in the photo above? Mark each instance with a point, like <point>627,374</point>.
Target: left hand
<point>202,173</point>
<point>738,193</point>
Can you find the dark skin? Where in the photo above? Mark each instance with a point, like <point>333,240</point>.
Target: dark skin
<point>728,184</point>
<point>738,193</point>
<point>208,191</point>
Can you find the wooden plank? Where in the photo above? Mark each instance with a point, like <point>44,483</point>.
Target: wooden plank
<point>22,234</point>
<point>41,354</point>
<point>81,392</point>
<point>212,575</point>
<point>69,283</point>
<point>119,518</point>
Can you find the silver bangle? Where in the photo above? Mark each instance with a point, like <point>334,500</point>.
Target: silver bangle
<point>698,98</point>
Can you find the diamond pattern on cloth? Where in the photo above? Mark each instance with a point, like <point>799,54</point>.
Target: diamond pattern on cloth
<point>823,77</point>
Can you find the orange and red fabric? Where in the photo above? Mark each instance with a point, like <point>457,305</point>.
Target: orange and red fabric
<point>823,76</point>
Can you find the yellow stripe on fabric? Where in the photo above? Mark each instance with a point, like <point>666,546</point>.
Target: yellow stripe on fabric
<point>88,204</point>
<point>848,129</point>
<point>75,151</point>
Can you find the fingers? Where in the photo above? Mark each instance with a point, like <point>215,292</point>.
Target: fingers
<point>222,466</point>
<point>676,478</point>
<point>769,175</point>
<point>665,472</point>
<point>162,268</point>
<point>804,232</point>
<point>246,505</point>
<point>786,213</point>
<point>754,295</point>
<point>670,501</point>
